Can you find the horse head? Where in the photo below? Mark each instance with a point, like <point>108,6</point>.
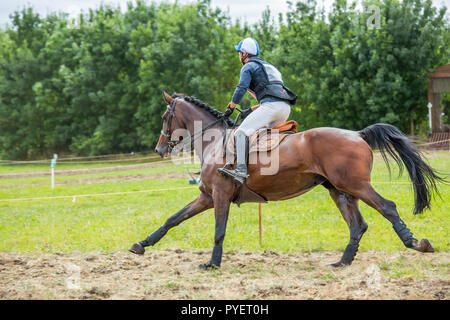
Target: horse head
<point>172,120</point>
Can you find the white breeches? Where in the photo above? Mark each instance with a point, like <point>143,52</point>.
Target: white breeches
<point>269,114</point>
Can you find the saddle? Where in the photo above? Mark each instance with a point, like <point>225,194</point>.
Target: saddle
<point>264,139</point>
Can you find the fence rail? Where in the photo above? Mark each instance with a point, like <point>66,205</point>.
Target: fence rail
<point>438,140</point>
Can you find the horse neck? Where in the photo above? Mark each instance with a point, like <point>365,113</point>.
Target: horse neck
<point>195,119</point>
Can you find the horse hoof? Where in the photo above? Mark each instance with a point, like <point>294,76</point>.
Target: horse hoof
<point>137,249</point>
<point>338,264</point>
<point>207,266</point>
<point>425,246</point>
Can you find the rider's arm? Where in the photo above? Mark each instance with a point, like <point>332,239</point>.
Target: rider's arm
<point>244,83</point>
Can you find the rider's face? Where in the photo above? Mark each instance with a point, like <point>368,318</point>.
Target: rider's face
<point>242,57</point>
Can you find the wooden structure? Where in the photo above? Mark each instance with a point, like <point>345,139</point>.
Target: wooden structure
<point>438,85</point>
<point>438,140</point>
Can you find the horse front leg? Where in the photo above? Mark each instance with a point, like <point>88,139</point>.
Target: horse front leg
<point>200,204</point>
<point>221,210</point>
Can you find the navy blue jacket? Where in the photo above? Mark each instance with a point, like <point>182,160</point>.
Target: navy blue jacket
<point>252,73</point>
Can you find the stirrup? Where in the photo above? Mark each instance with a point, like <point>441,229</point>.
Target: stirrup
<point>236,175</point>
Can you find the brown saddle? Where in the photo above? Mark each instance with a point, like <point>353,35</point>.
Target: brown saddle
<point>265,139</point>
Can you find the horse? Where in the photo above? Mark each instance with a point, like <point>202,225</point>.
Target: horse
<point>339,160</point>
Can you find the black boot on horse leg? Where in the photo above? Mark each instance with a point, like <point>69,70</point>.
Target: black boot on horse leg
<point>221,208</point>
<point>348,206</point>
<point>202,203</point>
<point>240,173</point>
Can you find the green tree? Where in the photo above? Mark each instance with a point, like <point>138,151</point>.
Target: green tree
<point>92,84</point>
<point>350,75</point>
<point>191,52</point>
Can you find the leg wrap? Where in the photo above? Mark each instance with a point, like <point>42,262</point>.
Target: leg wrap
<point>216,257</point>
<point>154,237</point>
<point>404,233</point>
<point>350,252</point>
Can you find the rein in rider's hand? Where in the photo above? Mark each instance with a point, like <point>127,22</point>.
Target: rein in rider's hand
<point>230,108</point>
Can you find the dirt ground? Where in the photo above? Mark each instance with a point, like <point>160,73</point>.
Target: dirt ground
<point>174,274</point>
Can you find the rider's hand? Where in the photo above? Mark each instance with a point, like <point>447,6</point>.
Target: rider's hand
<point>228,112</point>
<point>232,105</point>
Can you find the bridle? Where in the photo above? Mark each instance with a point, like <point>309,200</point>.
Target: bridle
<point>173,143</point>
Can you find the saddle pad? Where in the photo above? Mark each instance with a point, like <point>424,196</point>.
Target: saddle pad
<point>265,139</point>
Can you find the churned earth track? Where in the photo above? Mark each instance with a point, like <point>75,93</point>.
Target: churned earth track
<point>174,274</point>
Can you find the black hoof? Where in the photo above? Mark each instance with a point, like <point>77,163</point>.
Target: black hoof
<point>425,246</point>
<point>338,264</point>
<point>208,266</point>
<point>137,249</point>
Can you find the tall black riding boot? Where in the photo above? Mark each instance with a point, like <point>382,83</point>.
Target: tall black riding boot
<point>240,173</point>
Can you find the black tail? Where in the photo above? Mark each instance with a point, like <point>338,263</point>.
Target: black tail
<point>388,138</point>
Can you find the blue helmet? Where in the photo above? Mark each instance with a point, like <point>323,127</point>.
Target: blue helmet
<point>248,45</point>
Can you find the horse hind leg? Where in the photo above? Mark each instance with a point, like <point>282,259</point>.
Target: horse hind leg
<point>348,206</point>
<point>388,209</point>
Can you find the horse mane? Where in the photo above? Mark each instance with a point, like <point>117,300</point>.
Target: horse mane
<point>197,102</point>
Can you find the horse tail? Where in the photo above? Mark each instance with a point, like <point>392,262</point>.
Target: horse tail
<point>387,138</point>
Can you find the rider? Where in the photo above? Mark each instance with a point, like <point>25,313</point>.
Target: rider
<point>265,83</point>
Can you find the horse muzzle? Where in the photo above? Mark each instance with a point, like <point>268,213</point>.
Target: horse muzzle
<point>162,150</point>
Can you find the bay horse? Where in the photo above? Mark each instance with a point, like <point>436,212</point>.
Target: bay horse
<point>339,160</point>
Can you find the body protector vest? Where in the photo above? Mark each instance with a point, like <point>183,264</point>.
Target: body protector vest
<point>272,85</point>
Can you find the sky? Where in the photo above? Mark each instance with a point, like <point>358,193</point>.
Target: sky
<point>246,10</point>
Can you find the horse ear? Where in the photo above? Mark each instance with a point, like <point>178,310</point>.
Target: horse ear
<point>167,97</point>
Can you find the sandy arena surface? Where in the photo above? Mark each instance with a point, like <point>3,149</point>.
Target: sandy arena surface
<point>174,274</point>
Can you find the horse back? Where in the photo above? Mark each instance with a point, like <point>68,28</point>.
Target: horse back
<point>335,153</point>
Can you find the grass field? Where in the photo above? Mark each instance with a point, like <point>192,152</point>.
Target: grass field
<point>98,209</point>
<point>110,223</point>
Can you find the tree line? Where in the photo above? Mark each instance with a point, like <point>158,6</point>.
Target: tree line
<point>92,84</point>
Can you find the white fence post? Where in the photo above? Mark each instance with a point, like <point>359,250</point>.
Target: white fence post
<point>430,116</point>
<point>52,166</point>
